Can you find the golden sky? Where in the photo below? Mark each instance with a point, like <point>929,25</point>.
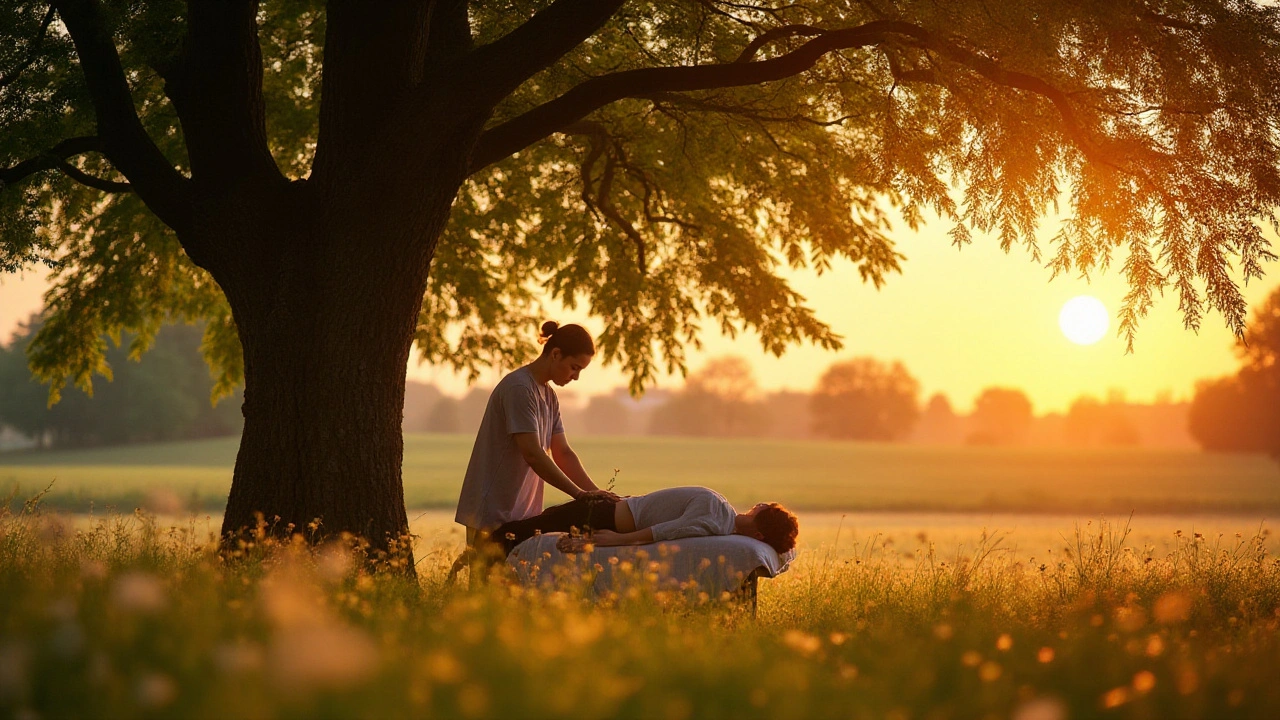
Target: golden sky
<point>961,320</point>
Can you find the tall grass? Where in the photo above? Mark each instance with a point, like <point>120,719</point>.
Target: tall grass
<point>127,618</point>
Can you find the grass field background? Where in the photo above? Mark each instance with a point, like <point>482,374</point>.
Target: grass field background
<point>807,476</point>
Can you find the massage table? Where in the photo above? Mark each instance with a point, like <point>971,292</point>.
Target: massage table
<point>731,564</point>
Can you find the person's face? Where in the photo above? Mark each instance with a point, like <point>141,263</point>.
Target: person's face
<point>565,368</point>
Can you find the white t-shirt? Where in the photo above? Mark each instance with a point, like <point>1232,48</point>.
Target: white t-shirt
<point>683,512</point>
<point>499,485</point>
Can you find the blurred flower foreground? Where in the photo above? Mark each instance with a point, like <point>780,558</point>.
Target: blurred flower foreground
<point>123,617</point>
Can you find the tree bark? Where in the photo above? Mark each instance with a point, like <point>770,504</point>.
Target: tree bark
<point>326,304</point>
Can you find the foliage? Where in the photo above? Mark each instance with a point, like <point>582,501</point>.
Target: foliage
<point>165,397</point>
<point>865,399</point>
<point>721,399</point>
<point>1001,416</point>
<point>1154,127</point>
<point>124,616</point>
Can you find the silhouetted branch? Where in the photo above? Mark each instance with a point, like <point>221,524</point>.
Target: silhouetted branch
<point>777,33</point>
<point>507,62</point>
<point>56,158</point>
<point>124,140</point>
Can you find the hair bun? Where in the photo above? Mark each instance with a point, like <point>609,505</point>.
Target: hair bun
<point>549,328</point>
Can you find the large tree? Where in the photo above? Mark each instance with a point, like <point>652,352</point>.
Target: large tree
<point>327,183</point>
<point>865,399</point>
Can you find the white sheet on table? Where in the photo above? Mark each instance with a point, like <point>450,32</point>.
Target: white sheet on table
<point>717,563</point>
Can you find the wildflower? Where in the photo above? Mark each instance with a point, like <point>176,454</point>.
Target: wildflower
<point>838,638</point>
<point>1045,655</point>
<point>801,642</point>
<point>443,668</point>
<point>1143,682</point>
<point>1004,642</point>
<point>1155,646</point>
<point>1115,697</point>
<point>990,671</point>
<point>1044,708</point>
<point>330,656</point>
<point>333,562</point>
<point>1172,607</point>
<point>155,690</point>
<point>943,631</point>
<point>138,592</point>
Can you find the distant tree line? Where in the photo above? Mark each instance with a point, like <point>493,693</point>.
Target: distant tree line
<point>166,396</point>
<point>857,399</point>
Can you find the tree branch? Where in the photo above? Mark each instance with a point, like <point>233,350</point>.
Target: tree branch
<point>220,98</point>
<point>56,158</point>
<point>777,33</point>
<point>86,179</point>
<point>124,140</point>
<point>32,51</point>
<point>375,57</point>
<point>522,131</point>
<point>507,62</point>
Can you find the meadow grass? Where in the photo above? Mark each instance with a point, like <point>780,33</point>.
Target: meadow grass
<point>125,616</point>
<point>810,476</point>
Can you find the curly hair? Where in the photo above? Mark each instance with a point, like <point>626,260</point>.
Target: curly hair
<point>779,526</point>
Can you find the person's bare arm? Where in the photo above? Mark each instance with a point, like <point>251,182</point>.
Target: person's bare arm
<point>568,461</point>
<point>604,538</point>
<point>542,464</point>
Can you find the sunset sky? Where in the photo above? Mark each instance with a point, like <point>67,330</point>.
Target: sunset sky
<point>961,320</point>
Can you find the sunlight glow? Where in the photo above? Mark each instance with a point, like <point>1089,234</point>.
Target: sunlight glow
<point>1083,319</point>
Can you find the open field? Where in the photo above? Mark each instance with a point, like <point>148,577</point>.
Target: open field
<point>127,617</point>
<point>930,583</point>
<point>812,476</point>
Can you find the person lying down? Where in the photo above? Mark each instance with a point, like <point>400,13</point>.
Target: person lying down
<point>668,514</point>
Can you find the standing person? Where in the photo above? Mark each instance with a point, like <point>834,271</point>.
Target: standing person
<point>509,461</point>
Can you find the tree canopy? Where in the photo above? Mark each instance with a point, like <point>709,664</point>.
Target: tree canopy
<point>655,163</point>
<point>1241,412</point>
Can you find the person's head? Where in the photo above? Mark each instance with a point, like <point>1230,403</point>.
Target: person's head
<point>773,524</point>
<point>566,350</point>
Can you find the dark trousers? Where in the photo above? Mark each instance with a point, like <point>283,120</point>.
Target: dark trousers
<point>581,514</point>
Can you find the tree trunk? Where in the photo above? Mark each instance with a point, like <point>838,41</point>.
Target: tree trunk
<point>326,317</point>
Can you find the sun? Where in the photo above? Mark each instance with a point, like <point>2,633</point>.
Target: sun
<point>1083,319</point>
